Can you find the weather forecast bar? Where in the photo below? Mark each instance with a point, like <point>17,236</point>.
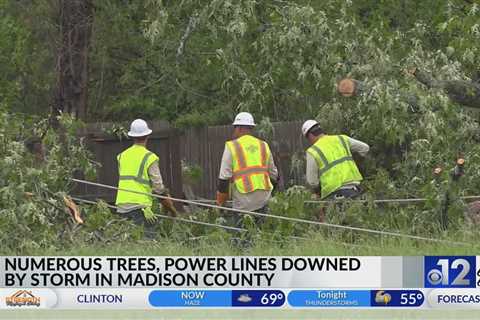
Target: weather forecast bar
<point>216,298</point>
<point>329,298</point>
<point>190,298</point>
<point>284,282</point>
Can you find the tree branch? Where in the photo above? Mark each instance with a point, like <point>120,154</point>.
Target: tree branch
<point>462,92</point>
<point>192,23</point>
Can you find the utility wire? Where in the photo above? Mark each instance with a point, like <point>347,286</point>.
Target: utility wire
<point>372,231</point>
<point>386,201</point>
<point>195,222</point>
<point>216,225</point>
<point>174,218</point>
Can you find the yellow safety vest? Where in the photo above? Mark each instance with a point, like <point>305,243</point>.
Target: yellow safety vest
<point>250,164</point>
<point>133,165</point>
<point>335,163</point>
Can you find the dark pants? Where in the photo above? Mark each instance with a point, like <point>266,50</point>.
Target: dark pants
<point>261,219</point>
<point>245,240</point>
<point>237,218</point>
<point>139,219</point>
<point>347,193</point>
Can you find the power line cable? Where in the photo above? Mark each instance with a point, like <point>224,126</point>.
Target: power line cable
<point>372,231</point>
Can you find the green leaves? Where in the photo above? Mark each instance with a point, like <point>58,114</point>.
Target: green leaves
<point>34,176</point>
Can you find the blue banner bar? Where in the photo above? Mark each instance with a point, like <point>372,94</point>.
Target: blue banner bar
<point>258,298</point>
<point>329,298</point>
<point>190,298</point>
<point>397,298</point>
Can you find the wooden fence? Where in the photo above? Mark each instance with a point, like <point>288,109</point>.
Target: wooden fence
<point>204,147</point>
<point>164,141</point>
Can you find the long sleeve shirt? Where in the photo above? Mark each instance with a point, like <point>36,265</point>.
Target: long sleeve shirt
<point>156,182</point>
<point>246,201</point>
<point>313,179</point>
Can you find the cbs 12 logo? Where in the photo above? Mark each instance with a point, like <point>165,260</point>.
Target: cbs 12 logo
<point>450,272</point>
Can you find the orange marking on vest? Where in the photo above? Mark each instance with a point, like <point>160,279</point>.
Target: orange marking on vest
<point>240,154</point>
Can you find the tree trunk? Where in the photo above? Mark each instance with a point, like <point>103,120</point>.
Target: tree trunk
<point>462,92</point>
<point>75,19</point>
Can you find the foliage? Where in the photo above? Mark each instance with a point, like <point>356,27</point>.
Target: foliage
<point>197,63</point>
<point>33,181</point>
<point>265,129</point>
<point>201,61</point>
<point>282,59</point>
<point>12,56</point>
<point>102,225</point>
<point>27,62</point>
<point>191,173</point>
<point>116,130</point>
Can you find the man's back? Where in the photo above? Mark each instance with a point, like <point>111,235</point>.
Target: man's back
<point>334,161</point>
<point>248,162</point>
<point>133,165</point>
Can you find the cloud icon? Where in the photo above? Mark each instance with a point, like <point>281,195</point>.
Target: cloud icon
<point>244,298</point>
<point>382,297</point>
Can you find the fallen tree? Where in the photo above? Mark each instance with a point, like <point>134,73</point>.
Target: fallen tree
<point>462,92</point>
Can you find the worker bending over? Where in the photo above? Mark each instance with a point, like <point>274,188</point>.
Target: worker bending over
<point>331,170</point>
<point>247,162</point>
<point>139,171</point>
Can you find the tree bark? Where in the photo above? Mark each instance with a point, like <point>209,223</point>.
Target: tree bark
<point>192,23</point>
<point>71,92</point>
<point>462,92</point>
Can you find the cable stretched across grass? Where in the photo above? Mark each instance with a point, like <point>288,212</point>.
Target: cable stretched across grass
<point>406,200</point>
<point>298,220</point>
<point>192,221</point>
<point>175,218</point>
<point>386,201</point>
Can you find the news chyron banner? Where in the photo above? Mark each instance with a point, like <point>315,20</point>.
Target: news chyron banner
<point>239,282</point>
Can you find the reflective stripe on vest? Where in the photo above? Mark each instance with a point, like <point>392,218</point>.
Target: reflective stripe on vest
<point>133,165</point>
<point>138,178</point>
<point>248,169</point>
<point>335,163</point>
<point>329,165</point>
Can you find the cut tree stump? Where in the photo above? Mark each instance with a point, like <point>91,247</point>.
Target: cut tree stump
<point>348,87</point>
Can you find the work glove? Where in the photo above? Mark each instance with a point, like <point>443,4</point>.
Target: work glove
<point>168,204</point>
<point>221,198</point>
<point>149,215</point>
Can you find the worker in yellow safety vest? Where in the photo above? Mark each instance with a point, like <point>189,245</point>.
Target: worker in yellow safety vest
<point>247,164</point>
<point>139,171</point>
<point>331,170</point>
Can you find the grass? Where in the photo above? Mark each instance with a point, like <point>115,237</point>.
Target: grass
<point>218,244</point>
<point>105,233</point>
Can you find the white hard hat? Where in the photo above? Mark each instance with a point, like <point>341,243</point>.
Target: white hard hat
<point>244,119</point>
<point>139,128</point>
<point>307,125</point>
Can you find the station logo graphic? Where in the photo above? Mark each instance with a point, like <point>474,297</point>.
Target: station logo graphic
<point>450,272</point>
<point>22,298</point>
